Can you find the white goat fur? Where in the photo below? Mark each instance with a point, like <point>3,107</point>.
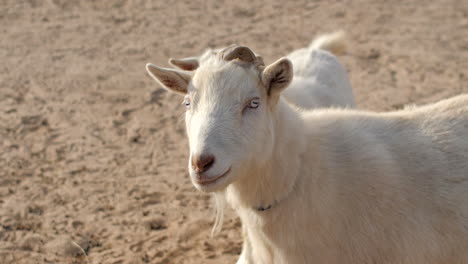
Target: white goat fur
<point>346,186</point>
<point>320,81</point>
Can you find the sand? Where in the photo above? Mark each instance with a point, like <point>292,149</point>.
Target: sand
<point>93,153</point>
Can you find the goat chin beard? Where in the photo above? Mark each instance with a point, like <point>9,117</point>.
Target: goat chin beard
<point>220,203</point>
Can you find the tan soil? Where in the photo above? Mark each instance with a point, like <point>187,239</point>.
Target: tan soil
<point>93,153</point>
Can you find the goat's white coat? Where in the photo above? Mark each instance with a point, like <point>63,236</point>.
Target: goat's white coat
<point>346,186</point>
<point>364,188</point>
<point>320,81</point>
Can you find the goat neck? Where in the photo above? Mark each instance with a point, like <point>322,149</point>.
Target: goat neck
<point>270,183</point>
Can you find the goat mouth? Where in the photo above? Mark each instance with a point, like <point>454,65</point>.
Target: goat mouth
<point>214,179</point>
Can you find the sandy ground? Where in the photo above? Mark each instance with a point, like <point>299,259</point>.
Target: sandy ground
<point>93,153</point>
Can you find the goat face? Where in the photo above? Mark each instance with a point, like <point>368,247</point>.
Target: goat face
<point>230,115</point>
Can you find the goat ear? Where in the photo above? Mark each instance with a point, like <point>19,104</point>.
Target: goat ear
<point>277,76</point>
<point>170,79</point>
<point>186,64</point>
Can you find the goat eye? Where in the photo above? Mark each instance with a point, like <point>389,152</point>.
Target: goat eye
<point>186,103</point>
<point>254,103</point>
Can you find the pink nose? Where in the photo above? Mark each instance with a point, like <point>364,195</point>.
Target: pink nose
<point>202,163</point>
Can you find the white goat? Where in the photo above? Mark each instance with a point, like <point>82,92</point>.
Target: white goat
<point>325,186</point>
<point>320,81</point>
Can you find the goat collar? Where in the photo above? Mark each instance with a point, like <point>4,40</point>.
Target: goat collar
<point>264,208</point>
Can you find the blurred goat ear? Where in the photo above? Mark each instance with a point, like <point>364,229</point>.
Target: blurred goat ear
<point>170,79</point>
<point>277,76</point>
<point>186,64</point>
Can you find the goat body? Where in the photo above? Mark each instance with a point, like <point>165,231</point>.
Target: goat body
<point>360,187</point>
<point>320,81</point>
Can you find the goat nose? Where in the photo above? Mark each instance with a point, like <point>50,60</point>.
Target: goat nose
<point>202,163</point>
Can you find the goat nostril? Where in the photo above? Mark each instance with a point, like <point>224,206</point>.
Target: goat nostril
<point>209,163</point>
<point>203,163</point>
